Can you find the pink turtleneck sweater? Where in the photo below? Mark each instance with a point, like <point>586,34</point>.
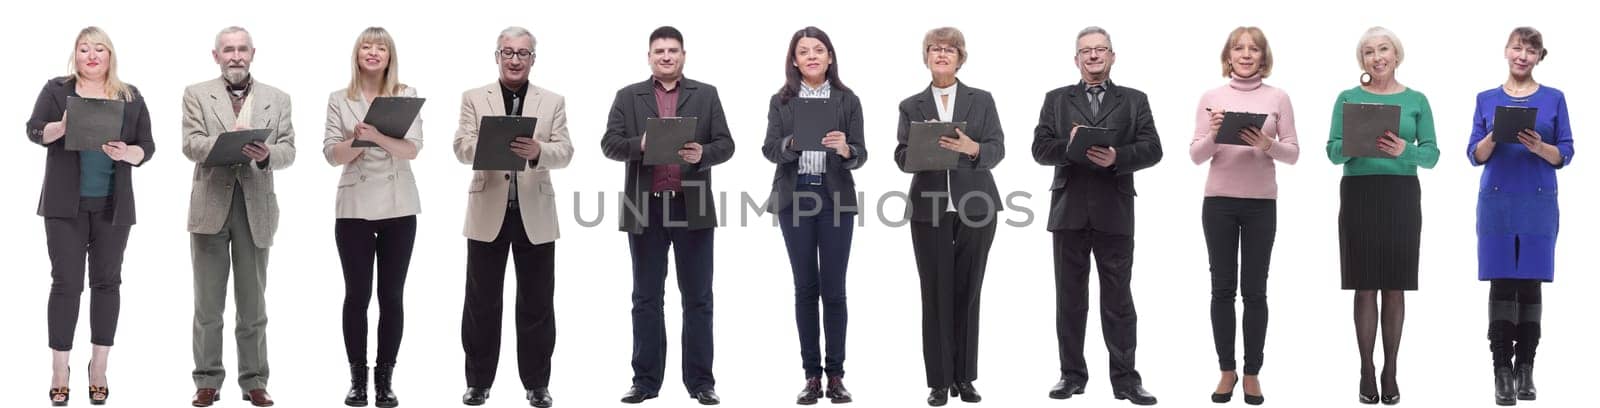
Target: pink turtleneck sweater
<point>1245,171</point>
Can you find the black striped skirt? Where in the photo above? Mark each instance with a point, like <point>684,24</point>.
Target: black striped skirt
<point>1380,231</point>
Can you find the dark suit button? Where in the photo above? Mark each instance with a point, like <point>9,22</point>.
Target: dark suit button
<point>508,176</point>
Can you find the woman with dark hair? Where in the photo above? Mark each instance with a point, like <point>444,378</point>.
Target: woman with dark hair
<point>1517,211</point>
<point>814,197</point>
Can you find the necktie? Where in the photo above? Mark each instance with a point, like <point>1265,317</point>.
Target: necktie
<point>1095,92</point>
<point>516,110</point>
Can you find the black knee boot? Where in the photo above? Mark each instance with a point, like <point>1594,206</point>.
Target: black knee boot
<point>383,385</point>
<point>357,397</point>
<point>1502,336</point>
<point>1527,344</point>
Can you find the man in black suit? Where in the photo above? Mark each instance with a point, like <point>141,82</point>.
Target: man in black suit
<point>665,206</point>
<point>1091,210</point>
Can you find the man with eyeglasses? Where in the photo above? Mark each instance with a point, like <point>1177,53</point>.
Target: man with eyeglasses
<point>512,213</point>
<point>669,206</point>
<point>1091,211</point>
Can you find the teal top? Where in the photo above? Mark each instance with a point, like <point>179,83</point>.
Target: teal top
<point>95,169</point>
<point>1416,128</point>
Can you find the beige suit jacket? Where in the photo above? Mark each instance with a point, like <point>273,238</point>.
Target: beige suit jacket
<point>488,192</point>
<point>376,185</point>
<point>207,113</point>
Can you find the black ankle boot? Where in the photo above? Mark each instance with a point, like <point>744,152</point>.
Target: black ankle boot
<point>383,386</point>
<point>357,397</point>
<point>1525,389</point>
<point>1505,386</point>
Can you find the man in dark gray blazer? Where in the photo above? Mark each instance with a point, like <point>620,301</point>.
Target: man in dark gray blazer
<point>666,206</point>
<point>1091,210</point>
<point>233,213</point>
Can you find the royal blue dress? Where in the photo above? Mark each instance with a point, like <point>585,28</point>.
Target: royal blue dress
<point>1518,213</point>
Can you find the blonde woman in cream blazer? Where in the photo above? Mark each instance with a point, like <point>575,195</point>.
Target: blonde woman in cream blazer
<point>376,210</point>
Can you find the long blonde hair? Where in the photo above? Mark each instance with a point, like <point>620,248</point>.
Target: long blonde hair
<point>391,85</point>
<point>115,88</point>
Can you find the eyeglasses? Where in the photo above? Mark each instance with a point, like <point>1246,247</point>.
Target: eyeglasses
<point>1087,51</point>
<point>507,53</point>
<point>943,50</point>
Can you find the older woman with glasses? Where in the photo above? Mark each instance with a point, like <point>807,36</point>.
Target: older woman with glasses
<point>952,214</point>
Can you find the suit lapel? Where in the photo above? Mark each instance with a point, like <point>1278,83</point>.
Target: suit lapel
<point>492,98</point>
<point>646,92</point>
<point>531,100</point>
<point>260,110</point>
<point>926,106</point>
<point>685,90</point>
<point>221,105</point>
<point>1080,101</point>
<point>357,107</point>
<point>963,104</point>
<point>835,99</point>
<point>1109,102</point>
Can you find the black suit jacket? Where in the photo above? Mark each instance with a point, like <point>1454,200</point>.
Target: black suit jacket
<point>1089,196</point>
<point>780,130</point>
<point>971,178</point>
<point>637,102</point>
<point>59,197</point>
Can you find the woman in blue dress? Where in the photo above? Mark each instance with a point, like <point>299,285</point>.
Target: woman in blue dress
<point>1517,211</point>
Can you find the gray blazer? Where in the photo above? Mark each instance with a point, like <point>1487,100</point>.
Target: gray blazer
<point>207,113</point>
<point>376,185</point>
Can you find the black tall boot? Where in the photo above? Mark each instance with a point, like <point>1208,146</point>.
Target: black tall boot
<point>1528,332</point>
<point>1502,336</point>
<point>383,386</point>
<point>1505,386</point>
<point>357,397</point>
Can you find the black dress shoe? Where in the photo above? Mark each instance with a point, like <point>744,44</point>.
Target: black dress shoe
<point>637,395</point>
<point>939,396</point>
<point>1392,399</point>
<point>1136,394</point>
<point>1525,389</point>
<point>811,393</point>
<point>1255,399</point>
<point>836,392</point>
<point>1066,389</point>
<point>707,397</point>
<point>540,397</point>
<point>966,392</point>
<point>475,396</point>
<point>1224,397</point>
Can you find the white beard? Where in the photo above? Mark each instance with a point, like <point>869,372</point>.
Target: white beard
<point>234,76</point>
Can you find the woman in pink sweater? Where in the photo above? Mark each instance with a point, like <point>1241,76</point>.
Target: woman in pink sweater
<point>1240,210</point>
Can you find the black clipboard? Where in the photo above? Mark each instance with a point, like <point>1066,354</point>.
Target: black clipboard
<point>495,134</point>
<point>392,115</point>
<point>813,119</point>
<point>665,136</point>
<point>229,147</point>
<point>1364,123</point>
<point>1235,122</point>
<point>1511,120</point>
<point>1089,136</point>
<point>93,122</point>
<point>922,149</point>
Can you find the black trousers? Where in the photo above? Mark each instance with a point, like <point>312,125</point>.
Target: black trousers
<point>818,241</point>
<point>1239,234</point>
<point>951,259</point>
<point>387,242</point>
<point>1113,255</point>
<point>68,241</point>
<point>1515,306</point>
<point>535,307</point>
<point>693,256</point>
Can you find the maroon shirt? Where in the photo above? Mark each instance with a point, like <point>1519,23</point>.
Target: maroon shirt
<point>668,177</point>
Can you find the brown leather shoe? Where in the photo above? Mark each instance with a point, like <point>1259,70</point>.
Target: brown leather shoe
<point>204,397</point>
<point>258,397</point>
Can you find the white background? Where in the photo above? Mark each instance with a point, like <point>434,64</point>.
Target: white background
<point>587,50</point>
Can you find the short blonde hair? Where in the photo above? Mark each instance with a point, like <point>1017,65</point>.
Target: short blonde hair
<point>948,36</point>
<point>391,85</point>
<point>92,35</point>
<point>1375,33</point>
<point>1260,39</point>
